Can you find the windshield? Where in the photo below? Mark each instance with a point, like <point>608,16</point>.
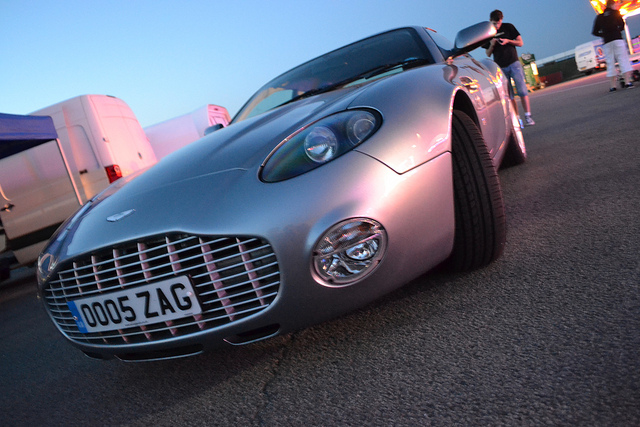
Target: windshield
<point>390,52</point>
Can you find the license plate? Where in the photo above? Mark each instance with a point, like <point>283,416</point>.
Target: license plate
<point>157,302</point>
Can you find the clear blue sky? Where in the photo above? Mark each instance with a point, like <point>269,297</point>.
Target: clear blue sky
<point>166,58</point>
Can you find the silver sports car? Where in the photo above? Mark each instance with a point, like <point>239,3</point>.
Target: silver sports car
<point>337,182</point>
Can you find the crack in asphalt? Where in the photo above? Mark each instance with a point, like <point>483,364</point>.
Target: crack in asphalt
<point>280,356</point>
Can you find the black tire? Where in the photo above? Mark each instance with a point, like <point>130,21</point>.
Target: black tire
<point>480,230</point>
<point>516,151</point>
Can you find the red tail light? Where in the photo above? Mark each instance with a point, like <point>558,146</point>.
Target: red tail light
<point>113,172</point>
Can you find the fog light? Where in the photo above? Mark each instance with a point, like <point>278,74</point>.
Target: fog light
<point>349,251</point>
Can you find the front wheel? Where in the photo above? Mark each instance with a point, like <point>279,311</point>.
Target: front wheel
<point>480,227</point>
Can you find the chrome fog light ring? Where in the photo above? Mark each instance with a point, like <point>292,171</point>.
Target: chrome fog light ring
<point>349,251</point>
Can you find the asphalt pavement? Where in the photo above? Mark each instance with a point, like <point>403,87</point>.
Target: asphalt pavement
<point>547,335</point>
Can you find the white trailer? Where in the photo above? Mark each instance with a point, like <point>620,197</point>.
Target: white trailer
<point>99,140</point>
<point>167,136</point>
<point>632,34</point>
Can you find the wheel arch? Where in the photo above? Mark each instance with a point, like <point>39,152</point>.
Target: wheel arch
<point>462,102</point>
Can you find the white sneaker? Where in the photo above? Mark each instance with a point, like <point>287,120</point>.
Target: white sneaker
<point>529,121</point>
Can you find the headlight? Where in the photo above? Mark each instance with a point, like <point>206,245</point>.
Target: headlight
<point>319,143</point>
<point>48,259</point>
<point>349,251</point>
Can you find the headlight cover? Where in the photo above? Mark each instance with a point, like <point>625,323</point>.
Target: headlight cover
<point>319,143</point>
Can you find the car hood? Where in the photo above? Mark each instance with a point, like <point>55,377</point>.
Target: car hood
<point>244,145</point>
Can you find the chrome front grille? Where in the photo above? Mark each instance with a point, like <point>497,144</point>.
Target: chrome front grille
<point>233,277</point>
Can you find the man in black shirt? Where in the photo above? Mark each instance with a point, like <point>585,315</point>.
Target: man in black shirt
<point>609,25</point>
<point>503,48</point>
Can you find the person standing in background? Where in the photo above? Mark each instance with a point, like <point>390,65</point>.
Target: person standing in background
<point>503,49</point>
<point>609,25</point>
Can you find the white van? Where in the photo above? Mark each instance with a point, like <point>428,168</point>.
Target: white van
<point>169,135</point>
<point>590,56</point>
<point>100,140</point>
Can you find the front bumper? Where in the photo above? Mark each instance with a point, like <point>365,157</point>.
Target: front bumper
<point>272,289</point>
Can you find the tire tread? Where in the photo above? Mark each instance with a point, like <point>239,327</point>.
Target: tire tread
<point>480,230</point>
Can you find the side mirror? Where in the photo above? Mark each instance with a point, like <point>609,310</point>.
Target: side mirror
<point>472,37</point>
<point>213,128</point>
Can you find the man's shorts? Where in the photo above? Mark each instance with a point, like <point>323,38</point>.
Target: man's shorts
<point>515,72</point>
<point>617,51</point>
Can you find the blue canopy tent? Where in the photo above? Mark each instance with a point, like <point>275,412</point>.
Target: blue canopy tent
<point>19,133</point>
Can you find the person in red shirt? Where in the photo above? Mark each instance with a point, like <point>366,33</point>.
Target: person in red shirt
<point>503,49</point>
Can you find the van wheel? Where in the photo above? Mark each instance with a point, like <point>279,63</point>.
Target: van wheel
<point>480,227</point>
